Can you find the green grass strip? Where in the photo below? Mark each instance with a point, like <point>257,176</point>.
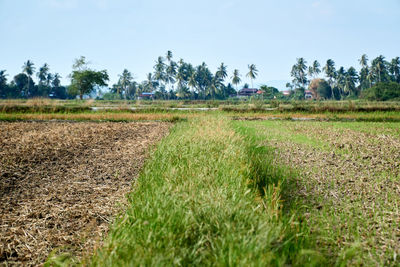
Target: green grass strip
<point>195,204</point>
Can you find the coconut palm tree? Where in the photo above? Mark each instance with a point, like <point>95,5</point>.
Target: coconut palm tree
<point>236,79</point>
<point>125,80</point>
<point>316,68</point>
<point>394,69</point>
<point>363,61</point>
<point>253,72</point>
<point>29,69</point>
<point>222,71</point>
<point>330,72</point>
<point>42,74</point>
<point>159,71</point>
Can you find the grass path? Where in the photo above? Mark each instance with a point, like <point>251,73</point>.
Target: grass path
<point>205,199</point>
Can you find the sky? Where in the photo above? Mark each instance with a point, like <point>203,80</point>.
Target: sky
<point>131,34</point>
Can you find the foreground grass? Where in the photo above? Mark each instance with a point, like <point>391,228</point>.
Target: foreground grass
<point>205,199</point>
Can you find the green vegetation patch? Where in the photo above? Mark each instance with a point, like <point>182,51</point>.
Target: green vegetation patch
<point>206,199</point>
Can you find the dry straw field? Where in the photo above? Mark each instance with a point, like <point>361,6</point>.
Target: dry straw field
<point>61,183</point>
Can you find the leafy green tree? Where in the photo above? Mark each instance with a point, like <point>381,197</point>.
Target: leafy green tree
<point>324,90</point>
<point>382,92</point>
<point>253,73</point>
<point>21,83</point>
<point>364,72</point>
<point>83,79</point>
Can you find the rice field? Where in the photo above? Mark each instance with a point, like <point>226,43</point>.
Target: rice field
<point>217,187</point>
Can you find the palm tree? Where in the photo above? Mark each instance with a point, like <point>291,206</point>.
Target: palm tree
<point>236,80</point>
<point>316,68</point>
<point>125,80</point>
<point>363,61</point>
<point>330,72</point>
<point>394,69</point>
<point>301,68</point>
<point>169,56</point>
<point>29,69</point>
<point>379,67</point>
<point>222,73</point>
<point>42,74</point>
<point>192,83</point>
<point>252,74</point>
<point>351,79</point>
<point>56,80</point>
<point>340,77</point>
<point>159,70</point>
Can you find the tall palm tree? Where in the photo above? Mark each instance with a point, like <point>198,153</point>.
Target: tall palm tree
<point>192,83</point>
<point>330,72</point>
<point>29,69</point>
<point>236,79</point>
<point>125,80</point>
<point>252,74</point>
<point>159,70</point>
<point>56,80</point>
<point>42,74</point>
<point>222,71</point>
<point>316,68</point>
<point>379,66</point>
<point>363,61</point>
<point>169,56</point>
<point>394,69</point>
<point>351,80</point>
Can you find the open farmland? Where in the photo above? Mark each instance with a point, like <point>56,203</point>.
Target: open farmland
<point>224,187</point>
<point>61,183</point>
<point>349,183</point>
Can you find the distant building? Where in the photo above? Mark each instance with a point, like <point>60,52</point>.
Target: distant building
<point>246,92</point>
<point>286,93</point>
<point>146,95</point>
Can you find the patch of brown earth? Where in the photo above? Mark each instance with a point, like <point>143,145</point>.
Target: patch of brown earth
<point>60,183</point>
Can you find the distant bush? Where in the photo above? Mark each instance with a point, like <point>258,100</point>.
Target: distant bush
<point>383,92</point>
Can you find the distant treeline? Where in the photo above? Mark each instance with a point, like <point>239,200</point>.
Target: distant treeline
<point>378,81</point>
<point>182,80</point>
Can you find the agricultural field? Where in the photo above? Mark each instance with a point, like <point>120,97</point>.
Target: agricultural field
<point>238,184</point>
<point>61,183</point>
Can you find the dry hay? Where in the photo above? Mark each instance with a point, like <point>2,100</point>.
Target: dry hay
<point>60,183</point>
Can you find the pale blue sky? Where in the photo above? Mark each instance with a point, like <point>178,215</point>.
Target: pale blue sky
<point>118,34</point>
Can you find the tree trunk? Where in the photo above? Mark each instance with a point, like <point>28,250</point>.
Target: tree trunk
<point>81,95</point>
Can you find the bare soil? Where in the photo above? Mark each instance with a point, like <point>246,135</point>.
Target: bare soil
<point>61,184</point>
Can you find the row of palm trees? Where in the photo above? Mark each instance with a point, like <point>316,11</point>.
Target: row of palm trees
<point>23,85</point>
<point>347,81</point>
<point>180,79</point>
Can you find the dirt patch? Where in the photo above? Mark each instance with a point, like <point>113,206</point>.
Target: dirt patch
<point>60,183</point>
